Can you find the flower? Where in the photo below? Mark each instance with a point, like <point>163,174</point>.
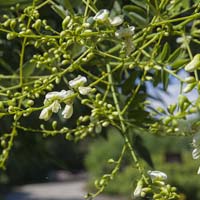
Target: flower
<point>117,20</point>
<point>84,90</point>
<point>52,100</point>
<point>157,175</point>
<point>183,40</point>
<point>138,189</point>
<point>78,81</point>
<point>194,64</point>
<point>196,153</point>
<point>55,106</point>
<point>68,111</point>
<point>101,16</point>
<point>125,32</point>
<point>196,140</point>
<point>45,114</point>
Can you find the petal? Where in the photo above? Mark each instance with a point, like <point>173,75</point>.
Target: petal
<point>101,16</point>
<point>157,175</point>
<point>68,111</point>
<point>45,114</point>
<point>84,90</point>
<point>196,153</point>
<point>78,81</point>
<point>55,106</point>
<point>196,140</point>
<point>125,32</point>
<point>116,21</point>
<point>194,64</point>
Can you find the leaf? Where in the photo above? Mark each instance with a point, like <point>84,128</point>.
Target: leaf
<point>179,63</point>
<point>28,69</point>
<point>128,85</point>
<point>136,14</point>
<point>141,3</point>
<point>165,79</point>
<point>164,53</point>
<point>142,151</point>
<point>67,5</point>
<point>174,55</point>
<point>8,3</point>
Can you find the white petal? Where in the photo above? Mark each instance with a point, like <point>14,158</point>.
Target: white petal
<point>45,114</point>
<point>78,81</point>
<point>196,153</point>
<point>198,172</point>
<point>125,32</point>
<point>116,21</point>
<point>196,140</point>
<point>138,190</point>
<point>68,111</point>
<point>84,90</point>
<point>55,106</point>
<point>157,175</point>
<point>101,16</point>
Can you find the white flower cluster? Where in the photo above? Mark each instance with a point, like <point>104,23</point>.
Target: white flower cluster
<point>53,99</point>
<point>156,177</point>
<point>103,16</point>
<point>196,150</point>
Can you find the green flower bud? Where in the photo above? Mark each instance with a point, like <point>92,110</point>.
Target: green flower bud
<point>189,87</point>
<point>11,36</point>
<point>194,64</point>
<point>65,22</point>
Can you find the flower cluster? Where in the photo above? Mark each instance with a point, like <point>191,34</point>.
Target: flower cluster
<point>196,150</point>
<point>53,99</point>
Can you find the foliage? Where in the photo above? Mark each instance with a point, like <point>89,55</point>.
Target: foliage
<point>94,61</point>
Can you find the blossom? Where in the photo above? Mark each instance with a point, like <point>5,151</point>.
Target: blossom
<point>68,111</point>
<point>125,32</point>
<point>196,140</point>
<point>101,16</point>
<point>138,189</point>
<point>55,106</point>
<point>196,153</point>
<point>53,100</point>
<point>84,90</point>
<point>183,40</point>
<point>78,81</point>
<point>194,64</point>
<point>157,175</point>
<point>117,20</point>
<point>46,114</point>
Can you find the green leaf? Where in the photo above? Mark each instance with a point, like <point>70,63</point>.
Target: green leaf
<point>8,3</point>
<point>136,14</point>
<point>141,3</point>
<point>174,55</point>
<point>142,151</point>
<point>179,63</point>
<point>67,5</point>
<point>128,85</point>
<point>28,69</point>
<point>165,79</point>
<point>164,53</point>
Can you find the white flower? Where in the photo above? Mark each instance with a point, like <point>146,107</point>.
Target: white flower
<point>46,113</point>
<point>117,20</point>
<point>125,32</point>
<point>84,90</point>
<point>138,189</point>
<point>78,81</point>
<point>198,172</point>
<point>194,64</point>
<point>58,95</point>
<point>101,16</point>
<point>55,106</point>
<point>68,111</point>
<point>196,153</point>
<point>157,175</point>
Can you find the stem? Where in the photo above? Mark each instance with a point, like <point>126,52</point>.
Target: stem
<point>123,127</point>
